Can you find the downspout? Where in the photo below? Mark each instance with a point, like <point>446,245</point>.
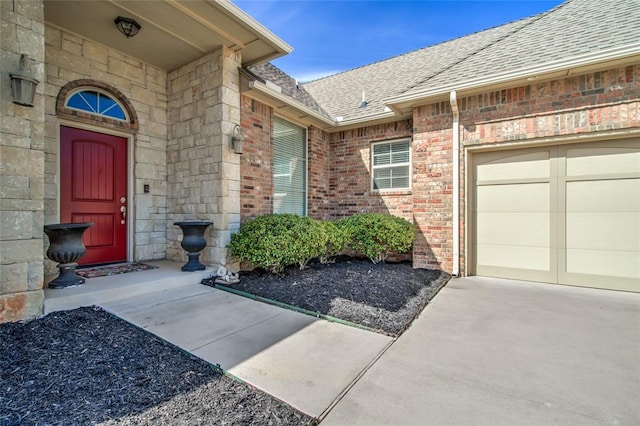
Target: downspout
<point>456,183</point>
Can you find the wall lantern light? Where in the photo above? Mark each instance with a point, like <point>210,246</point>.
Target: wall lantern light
<point>23,85</point>
<point>237,140</point>
<point>127,26</point>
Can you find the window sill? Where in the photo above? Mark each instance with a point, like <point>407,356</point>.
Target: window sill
<point>391,192</point>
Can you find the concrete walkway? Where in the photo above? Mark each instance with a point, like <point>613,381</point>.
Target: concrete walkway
<point>499,352</point>
<point>301,360</point>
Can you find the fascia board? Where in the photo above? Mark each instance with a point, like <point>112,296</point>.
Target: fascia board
<point>370,120</point>
<point>281,99</point>
<point>261,31</point>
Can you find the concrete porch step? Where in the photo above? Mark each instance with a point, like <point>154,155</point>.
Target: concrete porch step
<point>100,290</point>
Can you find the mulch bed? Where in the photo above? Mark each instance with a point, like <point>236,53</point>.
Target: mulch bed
<point>385,297</point>
<point>87,366</point>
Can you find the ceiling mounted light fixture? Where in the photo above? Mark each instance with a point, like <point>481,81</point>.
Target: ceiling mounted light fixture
<point>127,26</point>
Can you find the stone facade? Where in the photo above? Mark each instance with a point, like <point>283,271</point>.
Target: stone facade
<point>203,171</point>
<point>22,159</point>
<point>74,61</point>
<point>179,134</point>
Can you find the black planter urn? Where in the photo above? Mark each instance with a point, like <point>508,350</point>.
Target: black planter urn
<point>193,242</point>
<point>65,247</point>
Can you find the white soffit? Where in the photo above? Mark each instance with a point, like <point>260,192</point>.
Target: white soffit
<point>174,33</point>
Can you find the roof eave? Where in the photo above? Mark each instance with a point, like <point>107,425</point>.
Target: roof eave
<point>283,104</point>
<point>281,48</point>
<point>622,55</point>
<point>370,120</point>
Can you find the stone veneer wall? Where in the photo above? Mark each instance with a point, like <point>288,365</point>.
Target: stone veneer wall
<point>21,166</point>
<point>256,193</point>
<point>203,171</point>
<point>70,58</point>
<point>599,101</point>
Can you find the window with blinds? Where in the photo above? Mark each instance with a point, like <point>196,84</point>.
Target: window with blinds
<point>289,168</point>
<point>391,165</point>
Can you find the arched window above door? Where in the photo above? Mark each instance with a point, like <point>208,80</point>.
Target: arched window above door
<point>96,103</point>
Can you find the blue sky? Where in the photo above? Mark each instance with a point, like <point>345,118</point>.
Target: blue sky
<point>329,36</point>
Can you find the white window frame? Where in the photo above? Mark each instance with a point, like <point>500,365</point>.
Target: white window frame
<point>306,160</point>
<point>386,166</point>
<point>96,114</point>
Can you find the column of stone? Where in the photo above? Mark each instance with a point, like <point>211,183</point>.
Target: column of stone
<point>203,172</point>
<point>21,166</point>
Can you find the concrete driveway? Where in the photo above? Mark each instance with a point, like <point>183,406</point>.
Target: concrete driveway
<point>500,352</point>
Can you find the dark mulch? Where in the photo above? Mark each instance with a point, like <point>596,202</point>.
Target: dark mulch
<point>86,366</point>
<point>385,297</point>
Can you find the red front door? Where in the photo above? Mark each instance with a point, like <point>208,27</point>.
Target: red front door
<point>93,188</point>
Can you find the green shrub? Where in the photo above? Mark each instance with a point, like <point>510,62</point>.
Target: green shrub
<point>336,240</point>
<point>275,241</point>
<point>377,235</point>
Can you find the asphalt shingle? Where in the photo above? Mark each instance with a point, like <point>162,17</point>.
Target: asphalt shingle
<point>572,29</point>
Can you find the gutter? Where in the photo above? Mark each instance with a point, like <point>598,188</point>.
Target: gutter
<point>366,120</point>
<point>456,182</point>
<point>531,73</point>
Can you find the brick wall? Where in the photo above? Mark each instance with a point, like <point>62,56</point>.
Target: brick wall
<point>349,172</point>
<point>256,165</point>
<point>432,186</point>
<point>141,87</point>
<point>22,160</point>
<point>339,162</point>
<point>606,100</point>
<point>319,160</point>
<point>256,189</point>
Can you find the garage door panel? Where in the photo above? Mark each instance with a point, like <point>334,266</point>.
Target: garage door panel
<point>615,195</point>
<point>586,161</point>
<point>518,257</point>
<point>527,229</point>
<point>608,231</point>
<point>530,197</point>
<point>575,220</point>
<point>514,166</point>
<point>622,264</point>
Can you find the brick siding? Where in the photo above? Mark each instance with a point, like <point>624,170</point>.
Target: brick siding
<point>256,186</point>
<point>339,162</point>
<point>605,100</point>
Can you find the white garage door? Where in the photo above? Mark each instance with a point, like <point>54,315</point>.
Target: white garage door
<point>567,214</point>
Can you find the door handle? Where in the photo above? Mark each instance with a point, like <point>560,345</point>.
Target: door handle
<point>123,213</point>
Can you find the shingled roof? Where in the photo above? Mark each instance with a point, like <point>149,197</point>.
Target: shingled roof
<point>287,85</point>
<point>571,30</point>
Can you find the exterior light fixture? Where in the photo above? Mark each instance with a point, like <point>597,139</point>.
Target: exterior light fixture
<point>237,140</point>
<point>127,26</point>
<point>23,85</point>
